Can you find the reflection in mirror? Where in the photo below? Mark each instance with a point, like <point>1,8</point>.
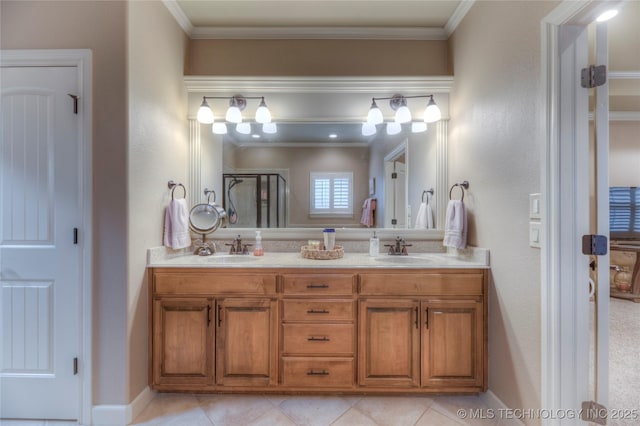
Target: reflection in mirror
<point>267,180</point>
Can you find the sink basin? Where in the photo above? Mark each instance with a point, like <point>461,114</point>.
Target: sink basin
<point>403,259</point>
<point>231,259</point>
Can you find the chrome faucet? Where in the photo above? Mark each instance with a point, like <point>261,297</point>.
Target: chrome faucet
<point>236,247</point>
<point>399,248</point>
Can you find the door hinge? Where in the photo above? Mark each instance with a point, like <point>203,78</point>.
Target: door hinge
<point>75,235</point>
<point>394,175</point>
<point>75,366</point>
<point>595,245</point>
<point>75,102</point>
<point>593,412</point>
<point>593,76</point>
<point>394,221</point>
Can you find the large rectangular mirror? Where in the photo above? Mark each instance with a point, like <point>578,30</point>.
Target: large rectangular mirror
<point>318,170</point>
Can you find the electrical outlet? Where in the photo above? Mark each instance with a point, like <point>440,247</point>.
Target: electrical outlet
<point>534,206</point>
<point>535,233</point>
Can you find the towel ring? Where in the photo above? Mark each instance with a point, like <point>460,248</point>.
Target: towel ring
<point>464,185</point>
<point>172,185</point>
<point>208,193</point>
<point>430,191</point>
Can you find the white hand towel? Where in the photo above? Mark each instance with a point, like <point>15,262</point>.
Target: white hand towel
<point>176,225</point>
<point>455,229</point>
<point>424,219</point>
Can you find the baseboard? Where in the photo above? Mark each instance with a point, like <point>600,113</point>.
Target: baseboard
<point>492,401</point>
<point>121,415</point>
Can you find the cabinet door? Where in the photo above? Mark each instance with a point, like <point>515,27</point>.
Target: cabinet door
<point>182,341</point>
<point>452,343</point>
<point>389,343</point>
<point>246,342</point>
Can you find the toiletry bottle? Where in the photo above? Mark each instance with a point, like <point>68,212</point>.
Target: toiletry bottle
<point>374,245</point>
<point>257,249</point>
<point>329,238</point>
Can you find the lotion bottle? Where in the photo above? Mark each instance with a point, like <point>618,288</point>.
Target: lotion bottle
<point>374,245</point>
<point>257,249</point>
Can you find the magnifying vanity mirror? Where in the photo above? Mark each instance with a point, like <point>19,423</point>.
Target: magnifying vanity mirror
<point>320,157</point>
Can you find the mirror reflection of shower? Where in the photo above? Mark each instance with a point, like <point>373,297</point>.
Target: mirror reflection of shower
<point>255,200</point>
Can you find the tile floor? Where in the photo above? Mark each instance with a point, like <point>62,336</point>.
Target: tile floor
<point>284,410</point>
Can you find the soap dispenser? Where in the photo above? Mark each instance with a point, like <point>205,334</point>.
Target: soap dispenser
<point>257,249</point>
<point>374,245</point>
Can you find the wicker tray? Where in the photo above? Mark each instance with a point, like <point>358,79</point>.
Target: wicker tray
<point>316,254</point>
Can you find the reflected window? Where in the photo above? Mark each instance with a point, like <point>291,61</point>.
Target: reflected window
<point>331,193</point>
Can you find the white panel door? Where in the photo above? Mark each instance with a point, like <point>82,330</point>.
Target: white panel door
<point>39,262</point>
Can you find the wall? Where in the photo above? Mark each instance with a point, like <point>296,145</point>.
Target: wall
<point>495,139</point>
<point>624,151</point>
<point>318,57</point>
<point>101,27</point>
<point>158,152</point>
<point>301,161</point>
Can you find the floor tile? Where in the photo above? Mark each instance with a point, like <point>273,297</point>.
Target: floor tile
<point>353,417</point>
<point>433,417</point>
<point>272,417</point>
<point>314,411</point>
<point>394,410</point>
<point>173,409</point>
<point>231,410</point>
<point>450,405</point>
<point>276,400</point>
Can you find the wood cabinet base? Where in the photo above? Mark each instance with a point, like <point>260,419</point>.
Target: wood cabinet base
<point>318,331</point>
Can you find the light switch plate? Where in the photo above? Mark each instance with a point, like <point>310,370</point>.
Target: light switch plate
<point>534,206</point>
<point>535,233</point>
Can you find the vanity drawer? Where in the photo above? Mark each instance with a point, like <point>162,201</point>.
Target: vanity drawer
<point>214,283</point>
<point>454,284</point>
<point>321,339</point>
<point>318,310</point>
<point>321,284</point>
<point>318,372</point>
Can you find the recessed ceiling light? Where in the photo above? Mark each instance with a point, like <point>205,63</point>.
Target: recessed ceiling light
<point>333,136</point>
<point>607,15</point>
<point>255,136</point>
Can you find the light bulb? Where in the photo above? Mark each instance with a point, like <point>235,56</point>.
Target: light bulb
<point>418,127</point>
<point>244,128</point>
<point>607,15</point>
<point>234,115</point>
<point>393,128</point>
<point>263,115</point>
<point>368,129</point>
<point>375,115</point>
<point>403,115</point>
<point>205,115</point>
<point>432,112</point>
<point>269,128</point>
<point>219,128</point>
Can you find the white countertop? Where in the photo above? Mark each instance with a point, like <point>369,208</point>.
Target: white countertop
<point>469,258</point>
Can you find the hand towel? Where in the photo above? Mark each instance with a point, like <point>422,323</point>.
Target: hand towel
<point>176,225</point>
<point>424,219</point>
<point>455,228</point>
<point>368,208</point>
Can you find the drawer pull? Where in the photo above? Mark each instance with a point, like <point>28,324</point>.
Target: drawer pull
<point>318,286</point>
<point>317,311</point>
<point>318,339</point>
<point>317,373</point>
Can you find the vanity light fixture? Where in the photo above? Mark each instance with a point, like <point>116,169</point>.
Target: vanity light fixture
<point>237,104</point>
<point>403,115</point>
<point>607,15</point>
<point>243,128</point>
<point>269,128</point>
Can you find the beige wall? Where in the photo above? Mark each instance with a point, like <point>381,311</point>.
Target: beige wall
<point>158,152</point>
<point>302,161</point>
<point>101,27</point>
<point>624,151</point>
<point>495,139</point>
<point>318,57</point>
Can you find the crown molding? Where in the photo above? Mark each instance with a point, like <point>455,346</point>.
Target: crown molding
<point>224,84</point>
<point>458,15</point>
<point>179,15</point>
<point>320,33</point>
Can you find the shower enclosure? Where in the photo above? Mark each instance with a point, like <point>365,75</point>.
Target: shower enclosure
<point>255,200</point>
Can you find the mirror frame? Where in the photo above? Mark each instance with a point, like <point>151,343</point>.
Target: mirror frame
<point>371,85</point>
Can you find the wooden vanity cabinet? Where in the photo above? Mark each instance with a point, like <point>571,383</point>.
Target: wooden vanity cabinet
<point>318,330</point>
